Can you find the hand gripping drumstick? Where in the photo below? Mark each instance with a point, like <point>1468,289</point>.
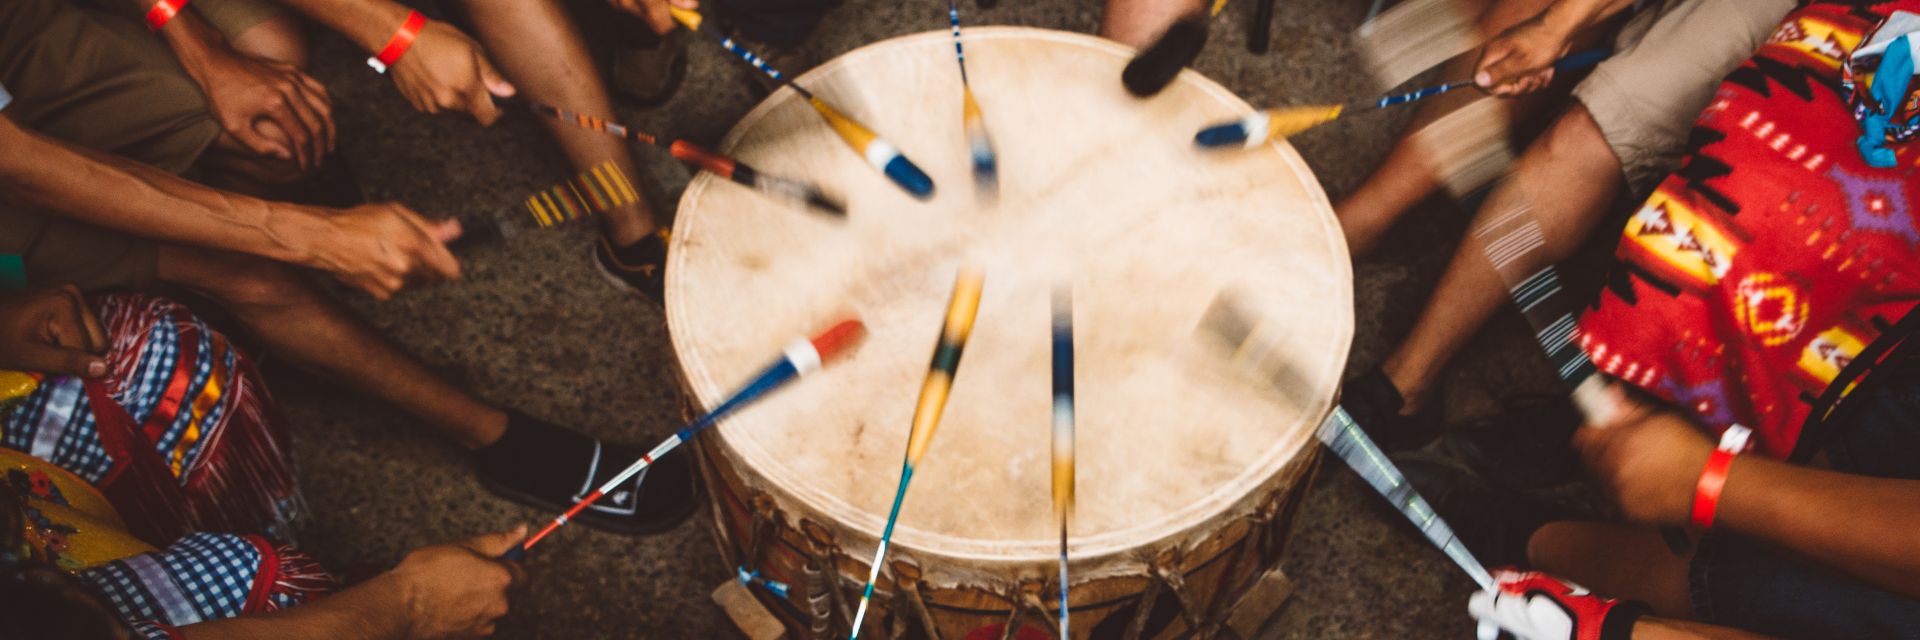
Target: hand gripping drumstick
<point>801,357</point>
<point>926,415</point>
<point>986,170</point>
<point>878,152</point>
<point>1255,130</point>
<point>1063,431</point>
<point>720,164</point>
<point>1233,328</point>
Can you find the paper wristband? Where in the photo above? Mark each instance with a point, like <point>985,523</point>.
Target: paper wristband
<point>397,46</point>
<point>1706,494</point>
<point>163,12</point>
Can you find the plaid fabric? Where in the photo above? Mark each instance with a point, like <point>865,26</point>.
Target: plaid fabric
<point>208,576</point>
<point>55,424</point>
<point>202,577</point>
<point>190,393</point>
<point>150,630</point>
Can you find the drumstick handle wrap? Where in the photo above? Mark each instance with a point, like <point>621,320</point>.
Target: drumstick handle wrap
<point>961,311</point>
<point>1345,438</point>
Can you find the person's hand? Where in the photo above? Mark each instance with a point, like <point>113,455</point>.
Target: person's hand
<point>654,12</point>
<point>446,71</point>
<point>458,590</point>
<point>51,330</point>
<point>1648,462</point>
<point>1537,606</point>
<point>379,248</point>
<point>245,92</point>
<point>1520,59</point>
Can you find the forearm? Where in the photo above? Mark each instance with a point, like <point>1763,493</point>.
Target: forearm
<point>368,23</point>
<point>115,193</point>
<point>1858,525</point>
<point>1651,628</point>
<point>374,609</point>
<point>1573,16</point>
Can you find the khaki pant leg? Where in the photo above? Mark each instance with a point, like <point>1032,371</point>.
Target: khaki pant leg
<point>1668,62</point>
<point>102,81</point>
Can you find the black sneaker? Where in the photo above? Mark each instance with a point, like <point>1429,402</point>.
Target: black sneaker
<point>646,76</point>
<point>1494,522</point>
<point>1529,444</point>
<point>640,267</point>
<point>549,467</point>
<point>1375,405</point>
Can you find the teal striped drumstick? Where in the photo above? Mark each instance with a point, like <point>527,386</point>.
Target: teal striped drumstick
<point>926,415</point>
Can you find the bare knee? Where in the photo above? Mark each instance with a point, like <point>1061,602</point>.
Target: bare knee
<point>279,39</point>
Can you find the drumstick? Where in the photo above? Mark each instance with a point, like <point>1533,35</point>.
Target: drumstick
<point>801,357</point>
<point>594,190</point>
<point>877,151</point>
<point>1257,129</point>
<point>1250,347</point>
<point>1506,239</point>
<point>1063,431</point>
<point>721,165</point>
<point>985,165</point>
<point>926,414</point>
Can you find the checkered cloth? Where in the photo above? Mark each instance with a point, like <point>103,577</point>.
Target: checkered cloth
<point>192,395</point>
<point>207,576</point>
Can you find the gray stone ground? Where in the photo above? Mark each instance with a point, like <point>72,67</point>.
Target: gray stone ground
<point>531,326</point>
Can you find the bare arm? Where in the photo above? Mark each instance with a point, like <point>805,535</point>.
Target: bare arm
<point>1520,60</point>
<point>374,609</point>
<point>115,193</point>
<point>1859,525</point>
<point>375,248</point>
<point>454,590</point>
<point>1651,628</point>
<point>443,71</point>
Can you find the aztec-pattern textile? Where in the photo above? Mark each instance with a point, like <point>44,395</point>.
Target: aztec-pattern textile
<point>207,576</point>
<point>204,450</point>
<point>1756,272</point>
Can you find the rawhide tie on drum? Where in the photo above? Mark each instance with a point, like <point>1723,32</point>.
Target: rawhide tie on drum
<point>961,311</point>
<point>801,357</point>
<point>883,155</point>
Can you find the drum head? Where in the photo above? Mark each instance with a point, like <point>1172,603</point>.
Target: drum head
<point>1097,189</point>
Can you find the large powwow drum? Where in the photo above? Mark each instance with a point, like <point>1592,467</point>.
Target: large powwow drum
<point>1188,472</point>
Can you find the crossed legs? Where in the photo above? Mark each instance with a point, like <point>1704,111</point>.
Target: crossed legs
<point>291,316</point>
<point>537,46</point>
<point>1565,179</point>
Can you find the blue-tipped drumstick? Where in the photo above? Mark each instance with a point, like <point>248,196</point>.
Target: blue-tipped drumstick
<point>801,357</point>
<point>986,170</point>
<point>1063,431</point>
<point>1272,124</point>
<point>926,414</point>
<point>877,151</point>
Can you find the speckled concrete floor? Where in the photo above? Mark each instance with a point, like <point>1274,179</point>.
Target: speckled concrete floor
<point>531,326</point>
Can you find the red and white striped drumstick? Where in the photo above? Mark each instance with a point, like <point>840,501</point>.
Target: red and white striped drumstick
<point>801,357</point>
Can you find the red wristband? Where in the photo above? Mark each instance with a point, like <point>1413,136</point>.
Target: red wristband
<point>402,41</point>
<point>163,12</point>
<point>1706,494</point>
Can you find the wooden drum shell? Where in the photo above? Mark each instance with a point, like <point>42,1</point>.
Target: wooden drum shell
<point>943,584</point>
